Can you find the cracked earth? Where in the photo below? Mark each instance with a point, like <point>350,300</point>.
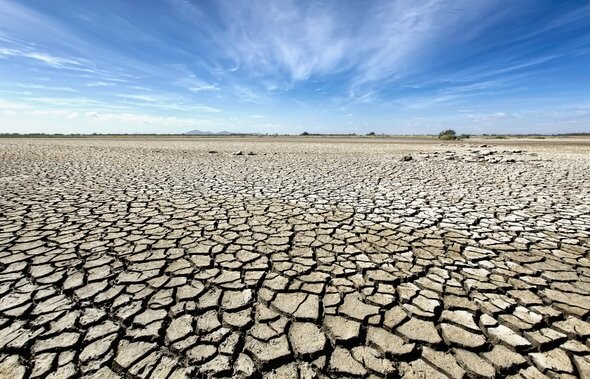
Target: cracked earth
<point>300,258</point>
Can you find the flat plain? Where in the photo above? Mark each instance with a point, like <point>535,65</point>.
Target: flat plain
<point>299,257</point>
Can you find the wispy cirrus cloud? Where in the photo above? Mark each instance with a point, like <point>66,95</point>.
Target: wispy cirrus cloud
<point>487,117</point>
<point>45,87</point>
<point>145,98</point>
<point>100,84</point>
<point>42,57</point>
<point>204,87</point>
<point>294,41</point>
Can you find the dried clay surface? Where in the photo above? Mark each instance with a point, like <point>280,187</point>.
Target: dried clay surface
<point>296,258</point>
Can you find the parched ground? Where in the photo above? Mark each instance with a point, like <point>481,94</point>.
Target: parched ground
<point>312,258</point>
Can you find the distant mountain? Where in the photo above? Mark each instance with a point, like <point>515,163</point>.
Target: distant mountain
<point>198,132</point>
<point>208,133</point>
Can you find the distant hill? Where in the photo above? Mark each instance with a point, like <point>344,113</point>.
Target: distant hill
<point>207,133</point>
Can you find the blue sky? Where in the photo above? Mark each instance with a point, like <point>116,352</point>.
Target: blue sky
<point>398,67</point>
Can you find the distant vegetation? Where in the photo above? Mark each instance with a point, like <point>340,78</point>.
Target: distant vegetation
<point>451,135</point>
<point>327,134</point>
<point>448,134</point>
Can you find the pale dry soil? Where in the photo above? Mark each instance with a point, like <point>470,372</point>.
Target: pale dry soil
<point>159,258</point>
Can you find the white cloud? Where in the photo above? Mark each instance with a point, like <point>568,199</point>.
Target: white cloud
<point>206,108</point>
<point>192,83</point>
<point>41,57</point>
<point>204,87</point>
<point>249,95</point>
<point>300,40</point>
<point>52,60</point>
<point>44,87</point>
<point>99,84</point>
<point>485,117</point>
<point>361,96</point>
<point>146,98</point>
<point>280,38</point>
<point>63,101</point>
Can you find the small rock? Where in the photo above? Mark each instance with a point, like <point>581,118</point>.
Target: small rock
<point>212,151</point>
<point>406,158</point>
<point>238,153</point>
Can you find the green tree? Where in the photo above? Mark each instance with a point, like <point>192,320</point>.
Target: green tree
<point>448,134</point>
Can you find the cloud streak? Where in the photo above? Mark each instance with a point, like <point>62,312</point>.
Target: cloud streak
<point>293,41</point>
<point>42,57</point>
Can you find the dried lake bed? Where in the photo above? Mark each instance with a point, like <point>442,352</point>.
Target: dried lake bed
<point>298,257</point>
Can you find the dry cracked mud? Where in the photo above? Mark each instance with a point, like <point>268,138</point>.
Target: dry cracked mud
<point>308,258</point>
